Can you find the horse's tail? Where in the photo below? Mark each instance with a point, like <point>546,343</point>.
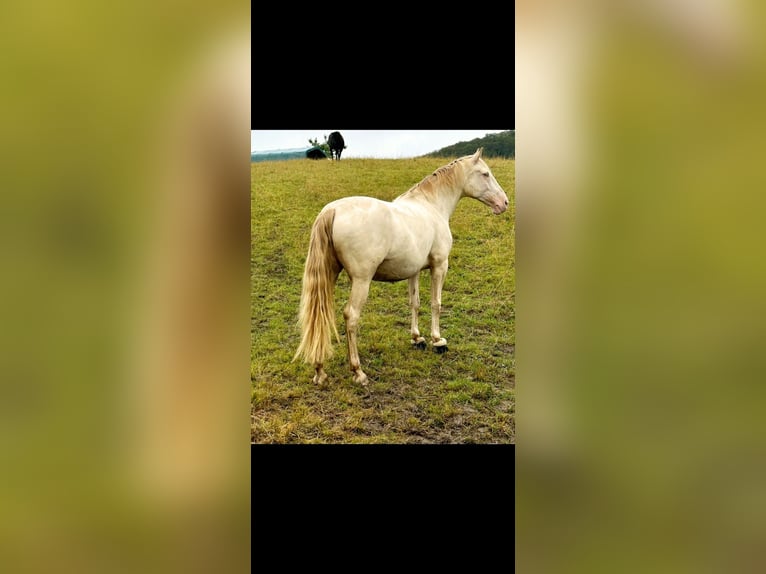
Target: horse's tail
<point>317,309</point>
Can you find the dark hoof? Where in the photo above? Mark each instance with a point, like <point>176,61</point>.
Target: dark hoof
<point>421,345</point>
<point>440,350</point>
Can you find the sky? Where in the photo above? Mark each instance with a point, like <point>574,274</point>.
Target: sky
<point>389,144</point>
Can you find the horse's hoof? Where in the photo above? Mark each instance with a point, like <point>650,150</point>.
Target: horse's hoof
<point>421,345</point>
<point>440,346</point>
<point>360,378</point>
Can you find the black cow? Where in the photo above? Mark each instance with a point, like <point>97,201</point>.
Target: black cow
<point>315,153</point>
<point>337,145</point>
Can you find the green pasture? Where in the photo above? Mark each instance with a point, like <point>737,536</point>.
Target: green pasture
<point>463,396</point>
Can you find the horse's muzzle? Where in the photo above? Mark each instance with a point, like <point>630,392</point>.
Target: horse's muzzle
<point>499,206</point>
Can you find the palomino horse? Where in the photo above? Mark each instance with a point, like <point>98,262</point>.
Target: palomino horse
<point>375,240</point>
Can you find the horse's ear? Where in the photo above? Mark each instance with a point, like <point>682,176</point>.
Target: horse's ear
<point>477,155</point>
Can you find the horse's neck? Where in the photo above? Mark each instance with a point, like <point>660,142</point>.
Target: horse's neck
<point>444,199</point>
<point>447,202</point>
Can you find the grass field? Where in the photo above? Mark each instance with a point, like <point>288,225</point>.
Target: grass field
<point>463,396</point>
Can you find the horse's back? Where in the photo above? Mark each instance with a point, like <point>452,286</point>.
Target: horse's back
<point>360,219</point>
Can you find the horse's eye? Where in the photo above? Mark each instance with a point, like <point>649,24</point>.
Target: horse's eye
<point>485,174</point>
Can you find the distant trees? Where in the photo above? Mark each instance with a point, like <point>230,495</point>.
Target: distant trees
<point>502,144</point>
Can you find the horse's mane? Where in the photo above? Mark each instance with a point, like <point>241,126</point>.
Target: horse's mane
<point>430,184</point>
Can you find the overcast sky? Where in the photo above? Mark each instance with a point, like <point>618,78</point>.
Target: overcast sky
<point>392,144</point>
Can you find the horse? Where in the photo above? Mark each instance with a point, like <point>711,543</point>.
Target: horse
<point>376,240</point>
<point>337,145</point>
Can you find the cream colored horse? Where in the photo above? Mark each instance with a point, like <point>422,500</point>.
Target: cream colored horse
<point>375,240</point>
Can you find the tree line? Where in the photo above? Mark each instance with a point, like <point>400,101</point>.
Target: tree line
<point>501,144</point>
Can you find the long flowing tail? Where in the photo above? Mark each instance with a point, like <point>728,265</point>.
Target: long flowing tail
<point>317,310</point>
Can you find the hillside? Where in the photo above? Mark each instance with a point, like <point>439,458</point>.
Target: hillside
<point>502,144</point>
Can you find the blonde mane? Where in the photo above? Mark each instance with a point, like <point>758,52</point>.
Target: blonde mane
<point>428,186</point>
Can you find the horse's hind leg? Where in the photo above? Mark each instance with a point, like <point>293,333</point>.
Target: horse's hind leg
<point>418,342</point>
<point>353,310</point>
<point>321,376</point>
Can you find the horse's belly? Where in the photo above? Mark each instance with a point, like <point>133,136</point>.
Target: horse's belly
<point>397,270</point>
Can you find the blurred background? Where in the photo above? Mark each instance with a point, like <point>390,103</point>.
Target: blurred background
<point>640,132</point>
<point>124,395</point>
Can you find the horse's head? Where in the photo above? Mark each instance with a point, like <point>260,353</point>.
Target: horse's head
<point>480,184</point>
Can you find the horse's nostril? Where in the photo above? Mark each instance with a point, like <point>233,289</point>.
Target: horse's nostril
<point>506,203</point>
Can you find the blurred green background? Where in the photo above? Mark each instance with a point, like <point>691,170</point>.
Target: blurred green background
<point>106,107</point>
<point>641,273</point>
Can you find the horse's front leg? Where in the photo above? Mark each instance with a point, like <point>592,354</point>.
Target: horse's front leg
<point>418,342</point>
<point>351,313</point>
<point>438,273</point>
